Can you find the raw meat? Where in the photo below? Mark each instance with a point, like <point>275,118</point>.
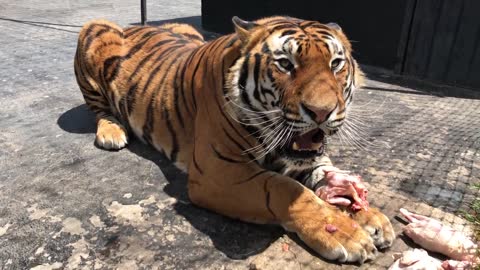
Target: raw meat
<point>415,259</point>
<point>457,265</point>
<point>343,189</point>
<point>431,234</point>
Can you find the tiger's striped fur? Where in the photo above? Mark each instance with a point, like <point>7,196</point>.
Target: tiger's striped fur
<point>213,107</point>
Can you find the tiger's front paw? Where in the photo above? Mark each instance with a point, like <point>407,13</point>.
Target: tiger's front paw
<point>335,236</point>
<point>110,134</point>
<point>377,225</point>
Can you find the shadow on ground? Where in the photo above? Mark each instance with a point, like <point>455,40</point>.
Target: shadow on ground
<point>422,87</point>
<point>236,239</point>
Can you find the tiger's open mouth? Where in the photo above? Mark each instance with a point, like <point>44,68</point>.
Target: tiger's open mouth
<point>306,145</point>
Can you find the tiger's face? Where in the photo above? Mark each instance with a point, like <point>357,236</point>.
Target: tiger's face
<point>292,85</point>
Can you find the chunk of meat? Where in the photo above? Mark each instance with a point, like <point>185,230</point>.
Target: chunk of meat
<point>431,234</point>
<point>457,265</point>
<point>415,259</point>
<point>343,189</point>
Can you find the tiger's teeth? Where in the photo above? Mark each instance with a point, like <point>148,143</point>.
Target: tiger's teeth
<point>295,146</point>
<point>316,146</point>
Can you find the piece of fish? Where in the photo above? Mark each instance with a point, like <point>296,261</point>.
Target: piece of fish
<point>432,235</point>
<point>343,189</point>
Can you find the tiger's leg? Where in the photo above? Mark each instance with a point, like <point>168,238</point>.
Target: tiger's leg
<point>111,134</point>
<point>91,52</point>
<point>372,221</point>
<point>255,195</point>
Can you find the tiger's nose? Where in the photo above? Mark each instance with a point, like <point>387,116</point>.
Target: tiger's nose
<point>318,114</point>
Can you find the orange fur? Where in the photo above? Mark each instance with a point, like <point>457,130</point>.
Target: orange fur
<point>168,86</point>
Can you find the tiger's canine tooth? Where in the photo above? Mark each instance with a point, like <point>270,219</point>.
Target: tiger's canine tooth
<point>316,146</point>
<point>295,146</point>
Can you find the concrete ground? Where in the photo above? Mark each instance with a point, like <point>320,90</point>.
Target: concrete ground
<point>65,204</point>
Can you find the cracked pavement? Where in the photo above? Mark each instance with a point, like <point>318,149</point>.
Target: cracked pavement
<point>65,204</point>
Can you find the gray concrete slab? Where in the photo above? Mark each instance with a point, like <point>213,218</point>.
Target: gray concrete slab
<point>65,204</point>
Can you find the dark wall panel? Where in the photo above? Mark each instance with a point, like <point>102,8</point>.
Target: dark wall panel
<point>375,35</point>
<point>435,40</point>
<point>443,43</point>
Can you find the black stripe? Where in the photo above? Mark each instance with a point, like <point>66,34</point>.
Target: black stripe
<point>148,126</point>
<point>110,62</point>
<point>129,32</point>
<point>105,44</point>
<point>175,147</point>
<point>157,69</point>
<point>250,156</point>
<point>195,163</point>
<point>227,119</point>
<point>182,83</point>
<point>288,32</point>
<point>90,30</point>
<point>256,71</point>
<point>192,84</point>
<point>191,36</point>
<point>252,177</point>
<point>308,24</point>
<point>96,109</point>
<point>224,158</point>
<point>91,37</point>
<point>231,42</point>
<point>349,91</point>
<point>144,39</point>
<point>325,34</point>
<point>130,97</point>
<point>287,40</point>
<point>299,49</point>
<point>89,99</point>
<point>266,49</point>
<point>267,199</point>
<point>266,91</point>
<point>242,80</point>
<point>161,85</point>
<point>122,109</point>
<point>176,91</point>
<point>146,58</point>
<point>282,26</point>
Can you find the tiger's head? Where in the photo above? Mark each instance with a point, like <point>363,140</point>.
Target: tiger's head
<point>291,85</point>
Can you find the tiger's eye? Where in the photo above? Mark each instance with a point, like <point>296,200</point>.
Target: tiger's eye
<point>285,64</point>
<point>336,63</point>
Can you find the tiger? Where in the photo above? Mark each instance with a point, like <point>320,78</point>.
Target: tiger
<point>245,115</point>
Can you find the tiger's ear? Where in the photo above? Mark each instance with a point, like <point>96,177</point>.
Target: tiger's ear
<point>334,26</point>
<point>242,28</point>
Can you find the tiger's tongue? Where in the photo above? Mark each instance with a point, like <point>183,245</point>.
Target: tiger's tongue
<point>311,140</point>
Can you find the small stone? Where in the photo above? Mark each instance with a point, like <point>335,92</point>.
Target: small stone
<point>127,195</point>
<point>39,250</point>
